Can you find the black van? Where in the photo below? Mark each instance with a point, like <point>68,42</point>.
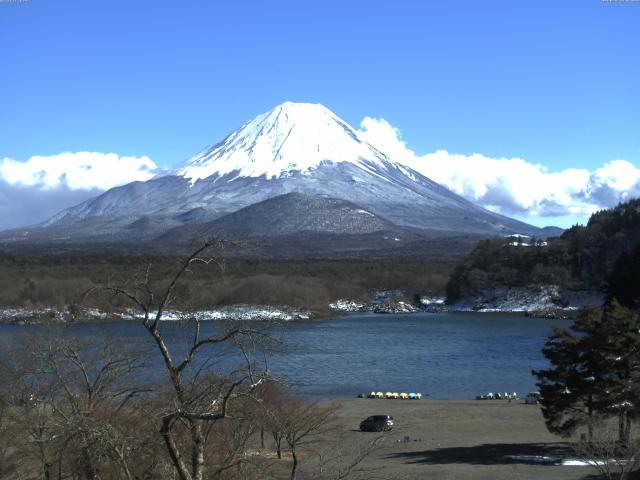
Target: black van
<point>377,423</point>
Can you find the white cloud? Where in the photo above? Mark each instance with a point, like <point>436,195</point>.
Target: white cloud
<point>77,170</point>
<point>34,190</point>
<point>23,206</point>
<point>513,186</point>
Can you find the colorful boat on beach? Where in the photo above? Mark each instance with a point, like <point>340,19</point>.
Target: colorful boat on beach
<point>395,395</point>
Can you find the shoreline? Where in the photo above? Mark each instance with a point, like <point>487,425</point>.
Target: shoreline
<point>17,315</point>
<point>12,315</point>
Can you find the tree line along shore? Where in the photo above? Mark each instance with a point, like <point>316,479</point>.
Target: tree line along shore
<point>92,409</point>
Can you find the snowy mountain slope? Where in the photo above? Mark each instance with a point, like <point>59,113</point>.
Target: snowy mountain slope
<point>294,213</point>
<point>293,137</point>
<point>292,148</point>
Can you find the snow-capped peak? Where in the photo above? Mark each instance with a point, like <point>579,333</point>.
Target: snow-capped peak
<point>292,137</point>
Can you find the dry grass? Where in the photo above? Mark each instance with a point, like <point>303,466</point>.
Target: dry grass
<point>459,440</point>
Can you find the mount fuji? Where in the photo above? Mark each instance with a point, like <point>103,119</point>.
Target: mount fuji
<point>296,148</point>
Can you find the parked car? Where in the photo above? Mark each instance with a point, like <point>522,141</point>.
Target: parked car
<point>377,423</point>
<point>532,398</point>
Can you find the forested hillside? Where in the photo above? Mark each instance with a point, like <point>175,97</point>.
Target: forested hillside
<point>51,278</point>
<point>580,260</point>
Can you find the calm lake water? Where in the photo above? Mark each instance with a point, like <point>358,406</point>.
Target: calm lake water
<point>447,355</point>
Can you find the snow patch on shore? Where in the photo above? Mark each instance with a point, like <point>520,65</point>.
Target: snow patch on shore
<point>21,315</point>
<point>346,305</point>
<point>526,299</point>
<point>558,460</point>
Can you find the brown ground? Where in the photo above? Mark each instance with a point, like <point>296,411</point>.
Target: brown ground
<point>449,439</point>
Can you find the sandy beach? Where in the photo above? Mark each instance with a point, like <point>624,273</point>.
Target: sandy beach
<point>452,439</point>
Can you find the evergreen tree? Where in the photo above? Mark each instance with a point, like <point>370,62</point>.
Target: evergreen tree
<point>619,352</point>
<point>624,280</point>
<point>594,372</point>
<point>569,388</point>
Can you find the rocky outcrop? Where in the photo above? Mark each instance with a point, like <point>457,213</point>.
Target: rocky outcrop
<point>396,307</point>
<point>539,298</point>
<point>345,305</point>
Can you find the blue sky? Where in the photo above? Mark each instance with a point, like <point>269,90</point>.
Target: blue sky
<point>555,83</point>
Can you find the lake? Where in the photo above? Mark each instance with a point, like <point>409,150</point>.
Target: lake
<point>444,355</point>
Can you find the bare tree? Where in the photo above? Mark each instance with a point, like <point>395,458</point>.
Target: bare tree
<point>8,432</point>
<point>93,410</point>
<point>304,423</point>
<point>233,446</point>
<point>341,457</point>
<point>295,422</point>
<point>194,404</point>
<point>611,458</point>
<point>73,407</point>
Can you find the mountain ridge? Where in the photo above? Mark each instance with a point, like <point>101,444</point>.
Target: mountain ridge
<point>293,147</point>
<point>294,213</point>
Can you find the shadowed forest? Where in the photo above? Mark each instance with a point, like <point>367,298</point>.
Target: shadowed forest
<point>54,278</point>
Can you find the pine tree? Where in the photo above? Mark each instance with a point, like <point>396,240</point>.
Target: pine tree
<point>619,352</point>
<point>624,280</point>
<point>594,372</point>
<point>570,387</point>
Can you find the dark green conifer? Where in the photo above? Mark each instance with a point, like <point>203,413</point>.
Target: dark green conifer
<point>624,280</point>
<point>594,372</point>
<point>569,388</point>
<point>619,351</point>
